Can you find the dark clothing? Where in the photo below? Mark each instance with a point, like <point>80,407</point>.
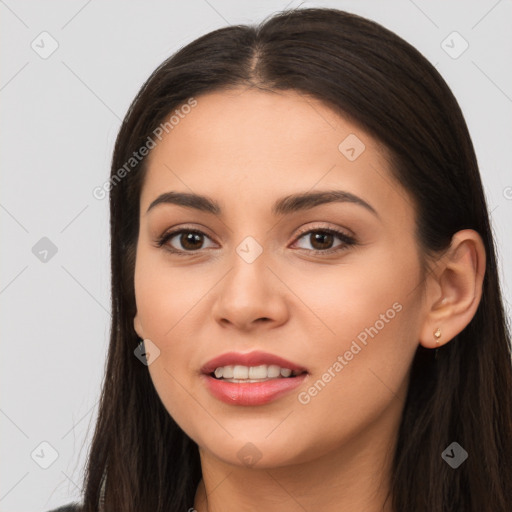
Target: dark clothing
<point>72,507</point>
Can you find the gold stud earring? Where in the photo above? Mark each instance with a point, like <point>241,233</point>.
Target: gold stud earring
<point>437,335</point>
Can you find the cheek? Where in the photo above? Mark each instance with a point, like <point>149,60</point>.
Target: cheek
<point>165,299</point>
<point>164,295</point>
<point>363,367</point>
<point>361,383</point>
<point>340,302</point>
<point>368,322</point>
<point>160,311</point>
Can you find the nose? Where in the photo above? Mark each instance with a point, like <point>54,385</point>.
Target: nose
<point>250,295</point>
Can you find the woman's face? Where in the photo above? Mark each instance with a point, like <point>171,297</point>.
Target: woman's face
<point>270,287</point>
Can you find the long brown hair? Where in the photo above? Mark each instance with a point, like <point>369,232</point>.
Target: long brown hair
<point>384,85</point>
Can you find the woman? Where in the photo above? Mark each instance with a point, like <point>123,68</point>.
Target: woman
<point>300,237</point>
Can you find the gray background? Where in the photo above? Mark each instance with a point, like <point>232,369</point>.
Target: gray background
<point>59,118</point>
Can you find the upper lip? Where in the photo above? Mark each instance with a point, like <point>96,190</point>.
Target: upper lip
<point>255,358</point>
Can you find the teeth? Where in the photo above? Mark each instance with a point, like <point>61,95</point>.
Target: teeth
<point>258,372</point>
<point>273,371</point>
<point>240,372</point>
<point>252,373</point>
<point>227,371</point>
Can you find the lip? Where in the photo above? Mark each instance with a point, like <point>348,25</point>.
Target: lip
<point>255,358</point>
<point>250,393</point>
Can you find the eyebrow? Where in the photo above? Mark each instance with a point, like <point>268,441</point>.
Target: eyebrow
<point>283,206</point>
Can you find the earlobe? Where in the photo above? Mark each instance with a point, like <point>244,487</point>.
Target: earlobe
<point>137,326</point>
<point>460,280</point>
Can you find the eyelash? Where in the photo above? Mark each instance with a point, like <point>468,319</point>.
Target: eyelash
<point>347,240</point>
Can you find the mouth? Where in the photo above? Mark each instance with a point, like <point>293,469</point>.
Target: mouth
<point>261,373</point>
<point>256,378</point>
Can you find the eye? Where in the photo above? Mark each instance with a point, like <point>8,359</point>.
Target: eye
<point>189,239</point>
<point>192,240</point>
<point>322,239</point>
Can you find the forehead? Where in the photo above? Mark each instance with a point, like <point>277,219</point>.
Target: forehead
<point>264,142</point>
<point>258,126</point>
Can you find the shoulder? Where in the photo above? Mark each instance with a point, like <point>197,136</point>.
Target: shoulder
<point>72,507</point>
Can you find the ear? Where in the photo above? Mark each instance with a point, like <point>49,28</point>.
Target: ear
<point>138,326</point>
<point>454,289</point>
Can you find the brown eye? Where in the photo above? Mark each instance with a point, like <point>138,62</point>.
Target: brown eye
<point>190,240</point>
<point>321,241</point>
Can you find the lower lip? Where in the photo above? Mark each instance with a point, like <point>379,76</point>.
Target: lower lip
<point>252,393</point>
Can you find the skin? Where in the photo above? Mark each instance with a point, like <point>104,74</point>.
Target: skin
<point>246,148</point>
